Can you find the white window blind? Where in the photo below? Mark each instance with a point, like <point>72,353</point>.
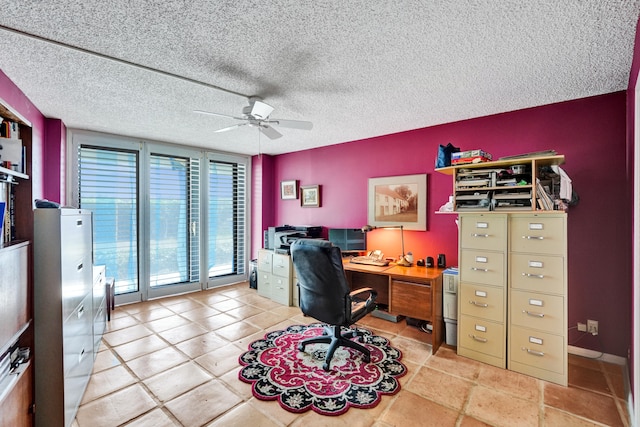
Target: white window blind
<point>108,186</point>
<point>227,218</point>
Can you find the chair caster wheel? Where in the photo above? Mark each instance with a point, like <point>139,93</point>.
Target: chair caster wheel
<point>367,359</point>
<point>325,366</point>
<point>300,347</point>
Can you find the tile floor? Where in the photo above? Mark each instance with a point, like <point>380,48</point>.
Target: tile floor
<point>173,362</point>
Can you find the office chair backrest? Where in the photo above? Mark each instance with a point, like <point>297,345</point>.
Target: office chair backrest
<point>323,287</point>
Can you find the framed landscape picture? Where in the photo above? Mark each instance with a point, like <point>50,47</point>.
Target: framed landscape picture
<point>310,196</point>
<point>398,200</point>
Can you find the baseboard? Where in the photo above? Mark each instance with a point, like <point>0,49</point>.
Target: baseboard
<point>592,354</point>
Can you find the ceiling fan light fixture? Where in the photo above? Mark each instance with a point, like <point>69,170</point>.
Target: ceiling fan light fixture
<point>260,110</point>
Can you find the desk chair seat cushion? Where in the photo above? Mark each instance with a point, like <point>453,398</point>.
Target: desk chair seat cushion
<point>326,296</point>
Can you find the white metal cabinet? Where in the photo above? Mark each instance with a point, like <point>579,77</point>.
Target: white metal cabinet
<point>64,312</point>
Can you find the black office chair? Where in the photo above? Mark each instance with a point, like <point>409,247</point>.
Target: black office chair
<point>325,295</point>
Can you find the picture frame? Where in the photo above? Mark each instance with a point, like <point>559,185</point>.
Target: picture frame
<point>289,189</point>
<point>310,196</point>
<point>398,200</point>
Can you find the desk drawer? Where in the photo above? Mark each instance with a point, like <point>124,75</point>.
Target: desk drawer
<point>482,267</point>
<point>410,299</point>
<point>542,273</point>
<point>482,301</point>
<point>539,235</point>
<point>487,232</point>
<point>482,336</point>
<point>537,311</point>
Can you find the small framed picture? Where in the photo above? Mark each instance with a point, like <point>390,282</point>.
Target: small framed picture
<point>289,189</point>
<point>310,196</point>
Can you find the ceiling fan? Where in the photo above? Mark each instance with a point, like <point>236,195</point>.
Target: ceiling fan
<point>257,114</point>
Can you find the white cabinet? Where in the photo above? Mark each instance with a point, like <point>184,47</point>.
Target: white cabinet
<point>275,275</point>
<point>65,313</point>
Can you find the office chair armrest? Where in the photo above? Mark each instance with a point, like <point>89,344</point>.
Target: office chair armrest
<point>373,294</point>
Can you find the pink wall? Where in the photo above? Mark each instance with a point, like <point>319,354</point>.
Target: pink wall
<point>55,160</point>
<point>589,132</point>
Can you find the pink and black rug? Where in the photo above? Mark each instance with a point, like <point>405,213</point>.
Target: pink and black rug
<point>276,370</point>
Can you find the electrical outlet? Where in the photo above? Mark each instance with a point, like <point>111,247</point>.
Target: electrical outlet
<point>582,327</point>
<point>592,327</point>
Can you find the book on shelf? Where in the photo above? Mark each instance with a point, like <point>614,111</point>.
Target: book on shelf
<point>544,200</point>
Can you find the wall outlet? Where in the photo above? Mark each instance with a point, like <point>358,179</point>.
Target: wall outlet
<point>592,327</point>
<point>582,327</point>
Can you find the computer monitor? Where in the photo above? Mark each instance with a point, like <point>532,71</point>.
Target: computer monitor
<point>350,240</point>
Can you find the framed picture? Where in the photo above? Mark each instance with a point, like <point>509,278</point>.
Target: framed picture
<point>398,200</point>
<point>310,196</point>
<point>289,189</point>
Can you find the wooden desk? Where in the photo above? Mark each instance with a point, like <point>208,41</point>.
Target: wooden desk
<point>408,291</point>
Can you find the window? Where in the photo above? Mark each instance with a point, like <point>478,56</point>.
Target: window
<point>163,224</point>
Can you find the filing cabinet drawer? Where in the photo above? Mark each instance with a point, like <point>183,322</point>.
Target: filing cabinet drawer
<point>281,265</point>
<point>537,311</point>
<point>482,336</point>
<point>538,234</point>
<point>280,290</point>
<point>77,283</point>
<point>482,267</point>
<point>482,301</point>
<point>537,349</point>
<point>264,284</point>
<point>77,333</point>
<point>541,273</point>
<point>265,260</point>
<point>488,232</point>
<point>76,235</point>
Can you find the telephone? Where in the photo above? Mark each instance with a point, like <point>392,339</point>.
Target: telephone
<point>375,257</point>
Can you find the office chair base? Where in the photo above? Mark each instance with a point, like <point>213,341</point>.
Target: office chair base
<point>333,336</point>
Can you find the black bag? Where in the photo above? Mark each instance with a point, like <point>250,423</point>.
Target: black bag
<point>444,155</point>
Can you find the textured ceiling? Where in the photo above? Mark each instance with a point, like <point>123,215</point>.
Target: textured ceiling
<point>356,69</point>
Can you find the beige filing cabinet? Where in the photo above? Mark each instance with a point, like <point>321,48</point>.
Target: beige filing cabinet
<point>275,274</point>
<point>538,296</point>
<point>482,297</point>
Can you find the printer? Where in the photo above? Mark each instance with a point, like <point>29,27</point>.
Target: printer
<point>280,238</point>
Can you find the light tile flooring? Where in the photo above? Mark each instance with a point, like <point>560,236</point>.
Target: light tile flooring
<point>174,362</point>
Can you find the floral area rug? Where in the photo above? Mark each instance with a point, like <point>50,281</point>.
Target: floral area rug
<point>277,370</point>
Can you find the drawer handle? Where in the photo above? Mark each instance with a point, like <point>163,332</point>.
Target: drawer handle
<point>534,352</point>
<point>484,270</point>
<point>477,338</point>
<point>535,276</point>
<point>533,237</point>
<point>81,355</point>
<point>80,311</point>
<point>479,235</point>
<point>79,267</point>
<point>533,313</point>
<point>79,223</point>
<point>478,304</point>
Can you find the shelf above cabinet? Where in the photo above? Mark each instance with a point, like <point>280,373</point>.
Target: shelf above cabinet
<point>5,173</point>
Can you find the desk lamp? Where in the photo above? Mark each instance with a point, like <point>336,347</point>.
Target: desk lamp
<point>403,260</point>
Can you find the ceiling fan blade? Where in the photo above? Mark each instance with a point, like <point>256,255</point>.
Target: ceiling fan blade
<point>270,132</point>
<point>228,128</point>
<point>293,124</point>
<point>260,110</point>
<point>209,113</point>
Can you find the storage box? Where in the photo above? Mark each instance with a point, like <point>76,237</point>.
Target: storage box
<point>451,331</point>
